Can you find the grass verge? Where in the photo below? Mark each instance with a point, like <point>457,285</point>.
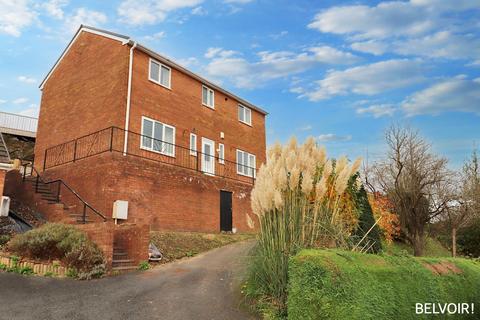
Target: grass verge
<point>333,284</point>
<point>177,245</point>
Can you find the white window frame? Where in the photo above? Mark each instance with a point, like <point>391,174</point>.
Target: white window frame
<point>221,153</point>
<point>151,149</point>
<point>160,65</point>
<point>193,149</point>
<point>249,165</point>
<point>240,106</point>
<point>212,106</point>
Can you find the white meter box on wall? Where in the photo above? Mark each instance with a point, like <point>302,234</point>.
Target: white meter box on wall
<point>120,210</point>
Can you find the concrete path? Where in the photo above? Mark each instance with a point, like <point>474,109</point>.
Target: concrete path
<point>202,287</point>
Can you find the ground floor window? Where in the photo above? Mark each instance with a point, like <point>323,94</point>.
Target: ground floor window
<point>246,163</point>
<point>158,137</point>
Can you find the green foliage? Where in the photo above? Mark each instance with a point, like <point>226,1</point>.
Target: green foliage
<point>468,240</point>
<point>97,271</point>
<point>55,241</point>
<point>3,266</point>
<point>49,274</point>
<point>144,265</point>
<point>26,270</point>
<point>72,273</point>
<point>4,238</point>
<point>332,284</point>
<point>365,222</point>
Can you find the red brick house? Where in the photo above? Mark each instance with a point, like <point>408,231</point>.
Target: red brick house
<point>121,122</point>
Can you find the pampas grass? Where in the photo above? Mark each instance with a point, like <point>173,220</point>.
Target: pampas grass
<point>299,199</point>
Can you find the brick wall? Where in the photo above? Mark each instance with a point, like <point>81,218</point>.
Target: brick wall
<point>181,107</point>
<point>164,196</point>
<point>134,239</point>
<point>24,194</point>
<point>2,180</point>
<point>86,92</point>
<point>102,234</point>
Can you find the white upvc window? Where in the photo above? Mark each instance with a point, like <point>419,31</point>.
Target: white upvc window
<point>193,144</point>
<point>244,114</point>
<point>246,163</point>
<point>221,153</point>
<point>158,137</point>
<point>208,97</point>
<point>160,73</point>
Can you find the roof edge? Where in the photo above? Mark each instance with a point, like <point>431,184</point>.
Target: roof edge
<point>127,40</point>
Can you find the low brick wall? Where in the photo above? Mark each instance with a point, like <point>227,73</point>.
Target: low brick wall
<point>37,267</point>
<point>102,234</point>
<point>134,238</point>
<point>2,180</point>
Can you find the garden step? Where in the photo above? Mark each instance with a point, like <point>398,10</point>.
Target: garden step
<point>124,268</point>
<point>120,254</point>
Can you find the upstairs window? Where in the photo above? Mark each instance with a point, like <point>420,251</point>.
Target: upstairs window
<point>244,114</point>
<point>158,137</point>
<point>246,163</point>
<point>159,73</point>
<point>221,153</point>
<point>193,144</point>
<point>208,97</point>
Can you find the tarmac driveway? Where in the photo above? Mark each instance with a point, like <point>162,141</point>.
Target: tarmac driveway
<point>202,287</point>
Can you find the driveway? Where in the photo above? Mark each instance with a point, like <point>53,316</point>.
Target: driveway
<point>202,287</point>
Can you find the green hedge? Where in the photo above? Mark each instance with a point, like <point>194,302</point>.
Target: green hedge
<point>331,284</point>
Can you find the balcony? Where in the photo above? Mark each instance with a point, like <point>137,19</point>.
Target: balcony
<point>112,140</point>
<point>18,125</point>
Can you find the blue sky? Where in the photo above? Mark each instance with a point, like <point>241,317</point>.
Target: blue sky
<point>341,71</point>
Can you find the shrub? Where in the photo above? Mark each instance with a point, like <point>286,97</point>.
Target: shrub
<point>301,201</point>
<point>334,284</point>
<point>4,238</point>
<point>55,241</point>
<point>144,265</point>
<point>468,240</point>
<point>365,222</point>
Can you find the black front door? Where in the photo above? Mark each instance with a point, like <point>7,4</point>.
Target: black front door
<point>225,211</point>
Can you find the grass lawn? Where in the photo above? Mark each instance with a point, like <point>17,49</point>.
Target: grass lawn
<point>433,248</point>
<point>176,245</point>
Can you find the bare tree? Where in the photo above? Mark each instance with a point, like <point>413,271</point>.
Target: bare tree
<point>466,206</point>
<point>415,180</point>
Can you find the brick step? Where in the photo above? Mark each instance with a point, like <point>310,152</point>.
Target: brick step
<point>124,268</point>
<point>123,263</point>
<point>120,253</point>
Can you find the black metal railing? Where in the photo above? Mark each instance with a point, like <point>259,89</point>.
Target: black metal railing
<point>112,139</point>
<point>60,191</point>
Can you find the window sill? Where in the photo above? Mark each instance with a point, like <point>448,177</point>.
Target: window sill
<point>245,123</point>
<point>209,107</point>
<point>159,152</point>
<point>159,84</point>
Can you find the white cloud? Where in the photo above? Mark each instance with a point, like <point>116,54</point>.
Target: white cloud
<point>237,1</point>
<point>188,62</point>
<point>384,20</point>
<point>368,79</point>
<point>151,11</point>
<point>31,111</point>
<point>455,94</point>
<point>20,100</point>
<point>84,16</point>
<point>15,15</point>
<point>155,36</point>
<point>279,35</point>
<point>443,44</point>
<point>54,8</point>
<point>270,65</point>
<point>378,110</point>
<point>26,79</point>
<point>307,127</point>
<point>199,11</point>
<point>2,101</point>
<point>331,137</point>
<point>374,47</point>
